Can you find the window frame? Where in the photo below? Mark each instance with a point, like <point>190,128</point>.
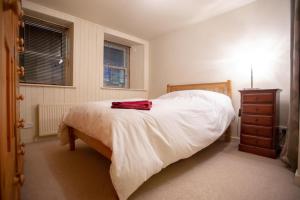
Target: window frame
<point>126,68</point>
<point>66,32</point>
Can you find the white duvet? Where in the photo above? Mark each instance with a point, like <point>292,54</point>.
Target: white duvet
<point>143,142</point>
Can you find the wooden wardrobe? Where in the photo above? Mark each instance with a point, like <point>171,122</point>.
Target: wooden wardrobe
<point>11,151</point>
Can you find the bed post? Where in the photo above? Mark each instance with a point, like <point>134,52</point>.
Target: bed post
<point>228,134</point>
<point>168,88</point>
<point>229,88</point>
<point>229,93</point>
<point>71,139</point>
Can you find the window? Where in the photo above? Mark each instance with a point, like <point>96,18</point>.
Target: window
<point>116,65</point>
<point>45,57</point>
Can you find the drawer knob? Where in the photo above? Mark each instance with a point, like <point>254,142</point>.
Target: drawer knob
<point>21,151</point>
<point>21,49</point>
<point>21,71</point>
<point>20,123</point>
<point>21,24</point>
<point>19,179</point>
<point>21,14</point>
<point>20,41</point>
<point>20,97</point>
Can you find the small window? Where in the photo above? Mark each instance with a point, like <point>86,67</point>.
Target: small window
<point>116,65</point>
<point>45,57</point>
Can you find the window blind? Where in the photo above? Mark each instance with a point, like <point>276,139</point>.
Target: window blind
<point>44,57</point>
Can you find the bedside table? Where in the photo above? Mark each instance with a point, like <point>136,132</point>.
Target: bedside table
<point>259,121</point>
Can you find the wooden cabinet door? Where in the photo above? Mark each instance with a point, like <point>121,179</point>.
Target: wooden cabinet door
<point>11,176</point>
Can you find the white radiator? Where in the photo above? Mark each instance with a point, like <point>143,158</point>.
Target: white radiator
<point>50,117</point>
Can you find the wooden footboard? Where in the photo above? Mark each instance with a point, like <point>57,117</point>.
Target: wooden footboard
<point>92,142</point>
<point>103,149</point>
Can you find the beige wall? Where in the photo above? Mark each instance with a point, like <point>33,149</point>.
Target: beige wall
<point>224,47</point>
<point>87,66</point>
<point>137,66</point>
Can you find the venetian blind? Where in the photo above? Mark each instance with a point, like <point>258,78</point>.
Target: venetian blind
<point>44,58</point>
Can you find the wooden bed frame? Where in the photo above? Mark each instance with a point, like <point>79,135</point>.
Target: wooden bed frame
<point>221,87</point>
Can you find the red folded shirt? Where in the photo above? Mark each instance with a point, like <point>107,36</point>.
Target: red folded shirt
<point>139,105</point>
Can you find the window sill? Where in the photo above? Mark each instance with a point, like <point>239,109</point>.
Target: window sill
<point>47,86</point>
<point>128,89</point>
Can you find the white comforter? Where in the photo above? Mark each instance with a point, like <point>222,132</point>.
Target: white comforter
<point>143,142</point>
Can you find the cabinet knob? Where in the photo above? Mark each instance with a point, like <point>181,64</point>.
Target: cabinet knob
<point>21,49</point>
<point>21,151</point>
<point>20,123</point>
<point>20,41</point>
<point>20,97</point>
<point>19,179</point>
<point>21,71</point>
<point>21,13</point>
<point>21,24</point>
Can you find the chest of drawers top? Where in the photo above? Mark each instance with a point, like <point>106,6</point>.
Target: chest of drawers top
<point>258,96</point>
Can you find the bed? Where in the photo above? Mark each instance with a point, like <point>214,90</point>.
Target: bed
<point>150,132</point>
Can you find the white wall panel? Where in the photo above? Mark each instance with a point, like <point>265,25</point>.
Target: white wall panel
<point>87,72</point>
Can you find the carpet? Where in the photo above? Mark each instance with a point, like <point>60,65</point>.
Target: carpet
<point>220,172</point>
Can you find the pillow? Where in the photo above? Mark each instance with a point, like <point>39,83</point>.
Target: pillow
<point>193,94</point>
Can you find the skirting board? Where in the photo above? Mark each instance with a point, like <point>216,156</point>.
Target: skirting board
<point>297,177</point>
<point>235,138</point>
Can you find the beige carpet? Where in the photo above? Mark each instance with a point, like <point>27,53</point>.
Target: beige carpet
<point>218,173</point>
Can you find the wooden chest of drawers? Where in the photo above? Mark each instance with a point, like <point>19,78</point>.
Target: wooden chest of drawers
<point>259,121</point>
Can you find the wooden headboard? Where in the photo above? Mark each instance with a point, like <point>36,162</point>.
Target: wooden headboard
<point>221,87</point>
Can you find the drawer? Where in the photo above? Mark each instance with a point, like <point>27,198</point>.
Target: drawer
<point>257,120</point>
<point>272,153</point>
<point>264,109</point>
<point>256,141</point>
<point>257,130</point>
<point>258,98</point>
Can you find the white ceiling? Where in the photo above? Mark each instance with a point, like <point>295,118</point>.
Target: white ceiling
<point>144,18</point>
